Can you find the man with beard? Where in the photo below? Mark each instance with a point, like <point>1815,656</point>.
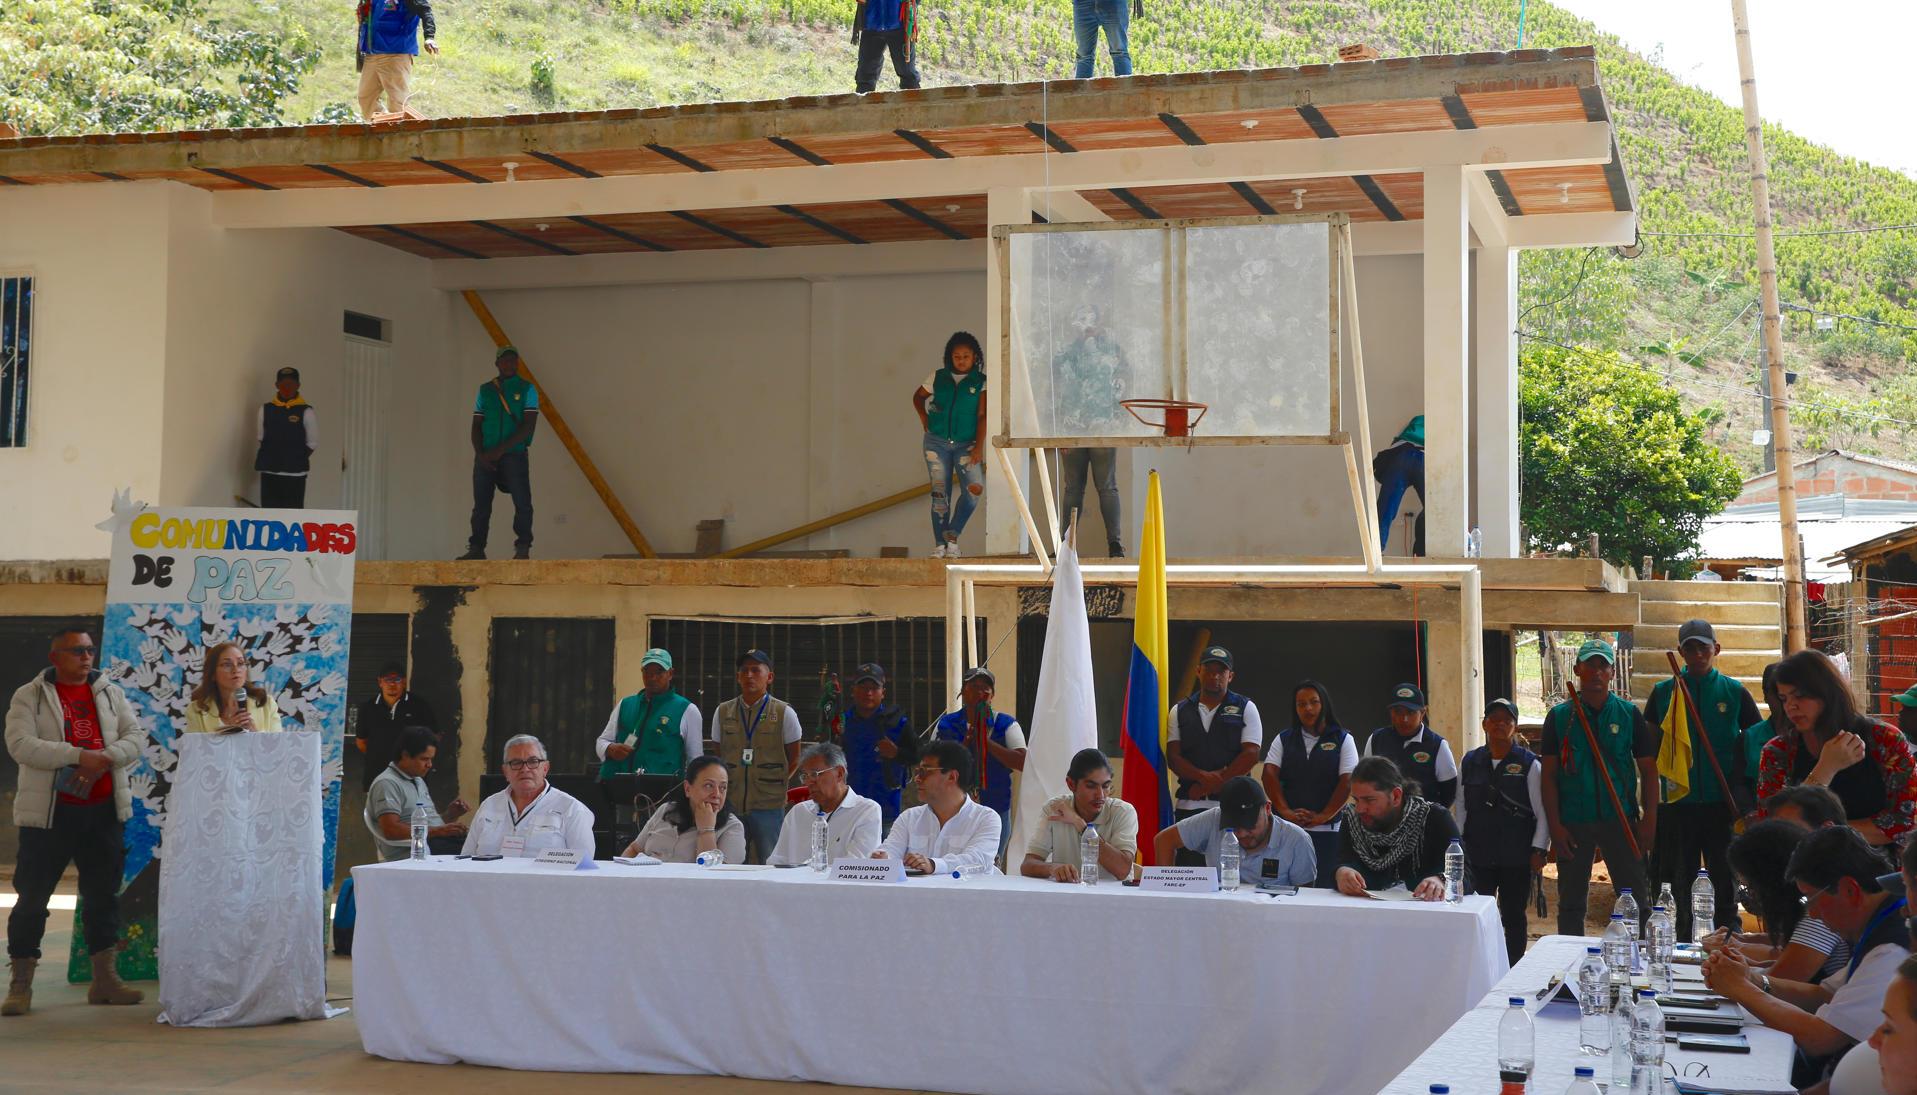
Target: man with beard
<point>1391,839</point>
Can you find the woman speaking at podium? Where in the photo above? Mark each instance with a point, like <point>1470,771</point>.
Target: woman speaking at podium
<point>225,701</point>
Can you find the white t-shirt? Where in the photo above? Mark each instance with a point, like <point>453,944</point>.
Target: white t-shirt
<point>1534,787</point>
<point>691,726</point>
<point>851,831</point>
<point>553,820</point>
<point>1857,1009</point>
<point>789,730</point>
<point>1446,764</point>
<point>1347,760</point>
<point>1254,735</point>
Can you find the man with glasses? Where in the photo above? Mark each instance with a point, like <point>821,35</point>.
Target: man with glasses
<point>74,735</point>
<point>392,709</point>
<point>530,816</point>
<point>951,831</point>
<point>851,819</point>
<point>1837,874</point>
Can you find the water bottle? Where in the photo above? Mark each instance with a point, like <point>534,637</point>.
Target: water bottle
<point>1229,857</point>
<point>1647,1044</point>
<point>1474,543</point>
<point>1667,899</point>
<point>820,860</point>
<point>1617,952</point>
<point>1627,907</point>
<point>1439,1089</point>
<point>1621,1044</point>
<point>1517,1045</point>
<point>1583,1081</point>
<point>1703,907</point>
<point>1663,932</point>
<point>1088,856</point>
<point>1594,1004</point>
<point>1454,871</point>
<point>419,832</point>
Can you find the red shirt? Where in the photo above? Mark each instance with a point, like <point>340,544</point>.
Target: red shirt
<point>83,730</point>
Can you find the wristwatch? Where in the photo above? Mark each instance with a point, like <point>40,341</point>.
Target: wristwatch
<point>1764,982</point>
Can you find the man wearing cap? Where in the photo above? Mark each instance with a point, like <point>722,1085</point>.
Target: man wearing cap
<point>1245,811</point>
<point>393,708</point>
<point>655,730</point>
<point>1695,820</point>
<point>1216,735</point>
<point>878,742</point>
<point>758,738</point>
<point>996,740</point>
<point>288,433</point>
<point>1907,714</point>
<point>504,416</point>
<point>1501,814</point>
<point>1415,748</point>
<point>1400,468</point>
<point>1577,797</point>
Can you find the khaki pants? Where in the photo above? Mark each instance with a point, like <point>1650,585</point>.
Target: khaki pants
<point>388,72</point>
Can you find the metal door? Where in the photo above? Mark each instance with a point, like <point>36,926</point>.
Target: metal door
<point>364,385</point>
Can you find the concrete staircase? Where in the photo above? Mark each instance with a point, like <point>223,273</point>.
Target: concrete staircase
<point>1748,618</point>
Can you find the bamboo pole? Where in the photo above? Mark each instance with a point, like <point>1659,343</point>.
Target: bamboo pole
<point>823,523</point>
<point>1795,629</point>
<point>549,411</point>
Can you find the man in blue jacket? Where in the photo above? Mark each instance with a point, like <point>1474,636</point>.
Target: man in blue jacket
<point>388,42</point>
<point>880,26</point>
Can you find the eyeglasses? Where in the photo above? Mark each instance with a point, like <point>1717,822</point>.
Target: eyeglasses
<point>924,773</point>
<point>1806,899</point>
<point>524,763</point>
<point>808,776</point>
<point>227,664</point>
<point>88,651</point>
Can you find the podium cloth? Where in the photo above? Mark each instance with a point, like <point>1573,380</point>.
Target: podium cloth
<point>1006,985</point>
<point>241,907</point>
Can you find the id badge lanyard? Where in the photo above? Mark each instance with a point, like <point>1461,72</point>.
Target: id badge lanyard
<point>751,730</point>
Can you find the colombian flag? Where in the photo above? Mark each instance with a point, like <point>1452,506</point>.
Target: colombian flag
<point>1144,728</point>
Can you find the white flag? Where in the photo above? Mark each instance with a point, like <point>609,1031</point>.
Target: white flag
<point>1064,717</point>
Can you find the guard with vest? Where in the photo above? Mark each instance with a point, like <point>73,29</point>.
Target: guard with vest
<point>758,738</point>
<point>1577,796</point>
<point>1216,735</point>
<point>655,731</point>
<point>288,432</point>
<point>996,741</point>
<point>1696,819</point>
<point>878,742</point>
<point>1308,774</point>
<point>951,409</point>
<point>388,42</point>
<point>1415,748</point>
<point>1501,814</point>
<point>505,413</point>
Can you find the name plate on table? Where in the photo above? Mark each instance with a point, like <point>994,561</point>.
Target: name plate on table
<point>1187,879</point>
<point>868,870</point>
<point>571,859</point>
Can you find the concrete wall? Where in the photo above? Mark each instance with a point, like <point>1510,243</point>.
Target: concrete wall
<point>1836,473</point>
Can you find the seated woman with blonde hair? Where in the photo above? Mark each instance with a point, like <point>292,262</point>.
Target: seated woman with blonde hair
<point>226,701</point>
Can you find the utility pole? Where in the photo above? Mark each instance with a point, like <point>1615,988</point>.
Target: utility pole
<point>1796,630</point>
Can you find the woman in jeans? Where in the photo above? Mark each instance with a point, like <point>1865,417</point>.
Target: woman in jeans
<point>951,406</point>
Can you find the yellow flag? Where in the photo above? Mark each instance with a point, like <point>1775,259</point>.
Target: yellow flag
<point>1674,752</point>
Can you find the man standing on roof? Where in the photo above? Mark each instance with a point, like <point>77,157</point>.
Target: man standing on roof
<point>388,42</point>
<point>879,27</point>
<point>1398,469</point>
<point>288,432</point>
<point>504,416</point>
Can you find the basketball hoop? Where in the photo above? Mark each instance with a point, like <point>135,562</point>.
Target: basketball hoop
<point>1179,421</point>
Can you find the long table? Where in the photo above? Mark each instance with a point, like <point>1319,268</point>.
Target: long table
<point>1466,1057</point>
<point>1000,985</point>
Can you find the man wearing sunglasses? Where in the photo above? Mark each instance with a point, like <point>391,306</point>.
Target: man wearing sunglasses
<point>74,736</point>
<point>950,832</point>
<point>531,815</point>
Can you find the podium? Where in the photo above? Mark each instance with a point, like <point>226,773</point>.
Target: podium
<point>241,909</point>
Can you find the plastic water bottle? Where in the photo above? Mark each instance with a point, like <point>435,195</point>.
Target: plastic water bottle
<point>1439,1089</point>
<point>1663,931</point>
<point>1703,907</point>
<point>419,832</point>
<point>1627,907</point>
<point>1594,1004</point>
<point>1088,856</point>
<point>1617,958</point>
<point>1667,899</point>
<point>821,837</point>
<point>1517,1043</point>
<point>1621,1044</point>
<point>1583,1081</point>
<point>1474,543</point>
<point>1647,1044</point>
<point>1454,871</point>
<point>1229,857</point>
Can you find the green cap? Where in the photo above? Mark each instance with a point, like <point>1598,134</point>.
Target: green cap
<point>1597,648</point>
<point>657,657</point>
<point>504,351</point>
<point>1413,432</point>
<point>1908,699</point>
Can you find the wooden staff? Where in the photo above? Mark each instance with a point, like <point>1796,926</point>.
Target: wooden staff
<point>1590,738</point>
<point>1697,720</point>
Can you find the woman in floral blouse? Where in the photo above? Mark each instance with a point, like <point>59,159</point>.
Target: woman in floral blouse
<point>1866,763</point>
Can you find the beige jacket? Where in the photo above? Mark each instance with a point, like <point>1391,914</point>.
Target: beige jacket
<point>206,720</point>
<point>37,740</point>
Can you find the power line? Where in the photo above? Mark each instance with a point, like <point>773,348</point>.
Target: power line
<point>1807,310</point>
<point>1802,232</point>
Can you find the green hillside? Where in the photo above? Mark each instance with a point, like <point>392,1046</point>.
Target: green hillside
<point>1685,308</point>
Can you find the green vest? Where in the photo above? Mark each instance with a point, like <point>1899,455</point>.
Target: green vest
<point>952,412</point>
<point>499,418</point>
<point>763,786</point>
<point>1720,700</point>
<point>1582,798</point>
<point>660,750</point>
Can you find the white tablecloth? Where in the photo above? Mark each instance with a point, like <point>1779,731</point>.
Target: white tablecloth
<point>241,912</point>
<point>1466,1057</point>
<point>1000,985</point>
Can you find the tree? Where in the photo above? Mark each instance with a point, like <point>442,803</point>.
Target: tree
<point>1604,448</point>
<point>120,66</point>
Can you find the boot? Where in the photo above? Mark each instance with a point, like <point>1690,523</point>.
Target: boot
<point>106,987</point>
<point>20,993</point>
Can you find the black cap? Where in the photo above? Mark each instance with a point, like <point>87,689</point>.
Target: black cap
<point>1407,695</point>
<point>1239,801</point>
<point>287,373</point>
<point>1696,631</point>
<point>978,671</point>
<point>870,671</point>
<point>754,655</point>
<point>391,669</point>
<point>1501,705</point>
<point>1217,654</point>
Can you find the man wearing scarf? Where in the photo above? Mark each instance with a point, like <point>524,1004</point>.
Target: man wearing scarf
<point>1391,838</point>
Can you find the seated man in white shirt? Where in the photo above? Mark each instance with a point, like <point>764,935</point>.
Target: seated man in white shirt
<point>1089,803</point>
<point>531,815</point>
<point>950,832</point>
<point>851,819</point>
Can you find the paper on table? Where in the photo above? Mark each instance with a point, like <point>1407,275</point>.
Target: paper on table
<point>740,867</point>
<point>1395,893</point>
<point>637,860</point>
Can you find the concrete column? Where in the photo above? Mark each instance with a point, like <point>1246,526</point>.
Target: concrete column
<point>1496,287</point>
<point>1447,465</point>
<point>1004,528</point>
<point>822,433</point>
